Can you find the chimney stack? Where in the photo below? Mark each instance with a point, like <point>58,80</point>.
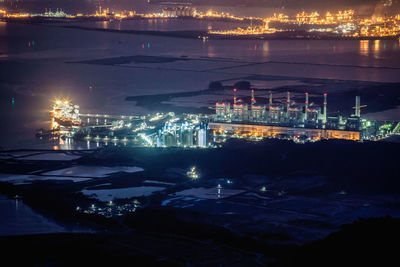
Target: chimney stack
<point>358,107</point>
<point>270,98</point>
<point>253,100</point>
<point>306,108</point>
<point>325,107</point>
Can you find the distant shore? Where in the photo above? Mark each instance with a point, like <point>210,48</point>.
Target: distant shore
<point>193,34</point>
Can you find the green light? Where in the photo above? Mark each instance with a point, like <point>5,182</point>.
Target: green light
<point>12,101</point>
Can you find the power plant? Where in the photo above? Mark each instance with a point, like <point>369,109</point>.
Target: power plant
<point>282,118</point>
<point>290,119</point>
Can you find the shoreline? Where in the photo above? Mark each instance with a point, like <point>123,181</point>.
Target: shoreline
<point>197,34</point>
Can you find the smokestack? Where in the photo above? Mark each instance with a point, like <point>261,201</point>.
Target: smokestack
<point>325,107</point>
<point>306,108</point>
<point>253,100</point>
<point>234,96</point>
<point>288,103</point>
<point>358,107</point>
<point>270,98</point>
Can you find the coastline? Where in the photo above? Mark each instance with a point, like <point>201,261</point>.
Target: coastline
<point>193,34</point>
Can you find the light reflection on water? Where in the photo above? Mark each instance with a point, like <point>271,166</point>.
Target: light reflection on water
<point>35,76</point>
<point>265,48</point>
<point>377,48</point>
<point>364,48</point>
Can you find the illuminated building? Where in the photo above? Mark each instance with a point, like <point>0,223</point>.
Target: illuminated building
<point>202,137</point>
<point>258,113</point>
<point>290,121</point>
<point>222,111</point>
<point>335,123</point>
<point>169,135</point>
<point>186,135</point>
<point>277,131</point>
<point>313,114</point>
<point>295,113</point>
<point>275,112</point>
<point>240,112</point>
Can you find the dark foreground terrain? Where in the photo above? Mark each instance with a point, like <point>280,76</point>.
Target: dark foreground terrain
<point>280,203</point>
<point>369,242</point>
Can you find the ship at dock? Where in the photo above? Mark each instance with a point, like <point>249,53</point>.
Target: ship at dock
<point>65,114</point>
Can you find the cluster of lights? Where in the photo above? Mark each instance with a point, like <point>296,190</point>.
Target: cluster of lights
<point>110,209</point>
<point>156,117</point>
<point>143,126</point>
<point>214,14</point>
<point>64,111</point>
<point>192,173</point>
<point>146,138</point>
<point>343,23</point>
<point>329,18</point>
<point>247,31</point>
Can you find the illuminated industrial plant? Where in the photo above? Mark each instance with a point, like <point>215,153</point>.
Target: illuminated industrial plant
<point>345,23</point>
<point>254,121</point>
<point>308,122</point>
<point>183,135</point>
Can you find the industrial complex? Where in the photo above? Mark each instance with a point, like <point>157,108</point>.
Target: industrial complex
<point>301,123</point>
<point>307,122</point>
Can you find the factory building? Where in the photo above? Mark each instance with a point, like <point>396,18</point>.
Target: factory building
<point>285,119</point>
<point>336,122</point>
<point>240,112</point>
<point>275,113</point>
<point>202,138</point>
<point>276,131</point>
<point>313,115</point>
<point>178,12</point>
<point>258,113</point>
<point>186,134</point>
<point>295,113</point>
<point>222,111</point>
<point>183,135</point>
<point>169,135</point>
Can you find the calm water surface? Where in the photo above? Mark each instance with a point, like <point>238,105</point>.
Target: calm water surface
<point>19,219</point>
<point>35,64</point>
